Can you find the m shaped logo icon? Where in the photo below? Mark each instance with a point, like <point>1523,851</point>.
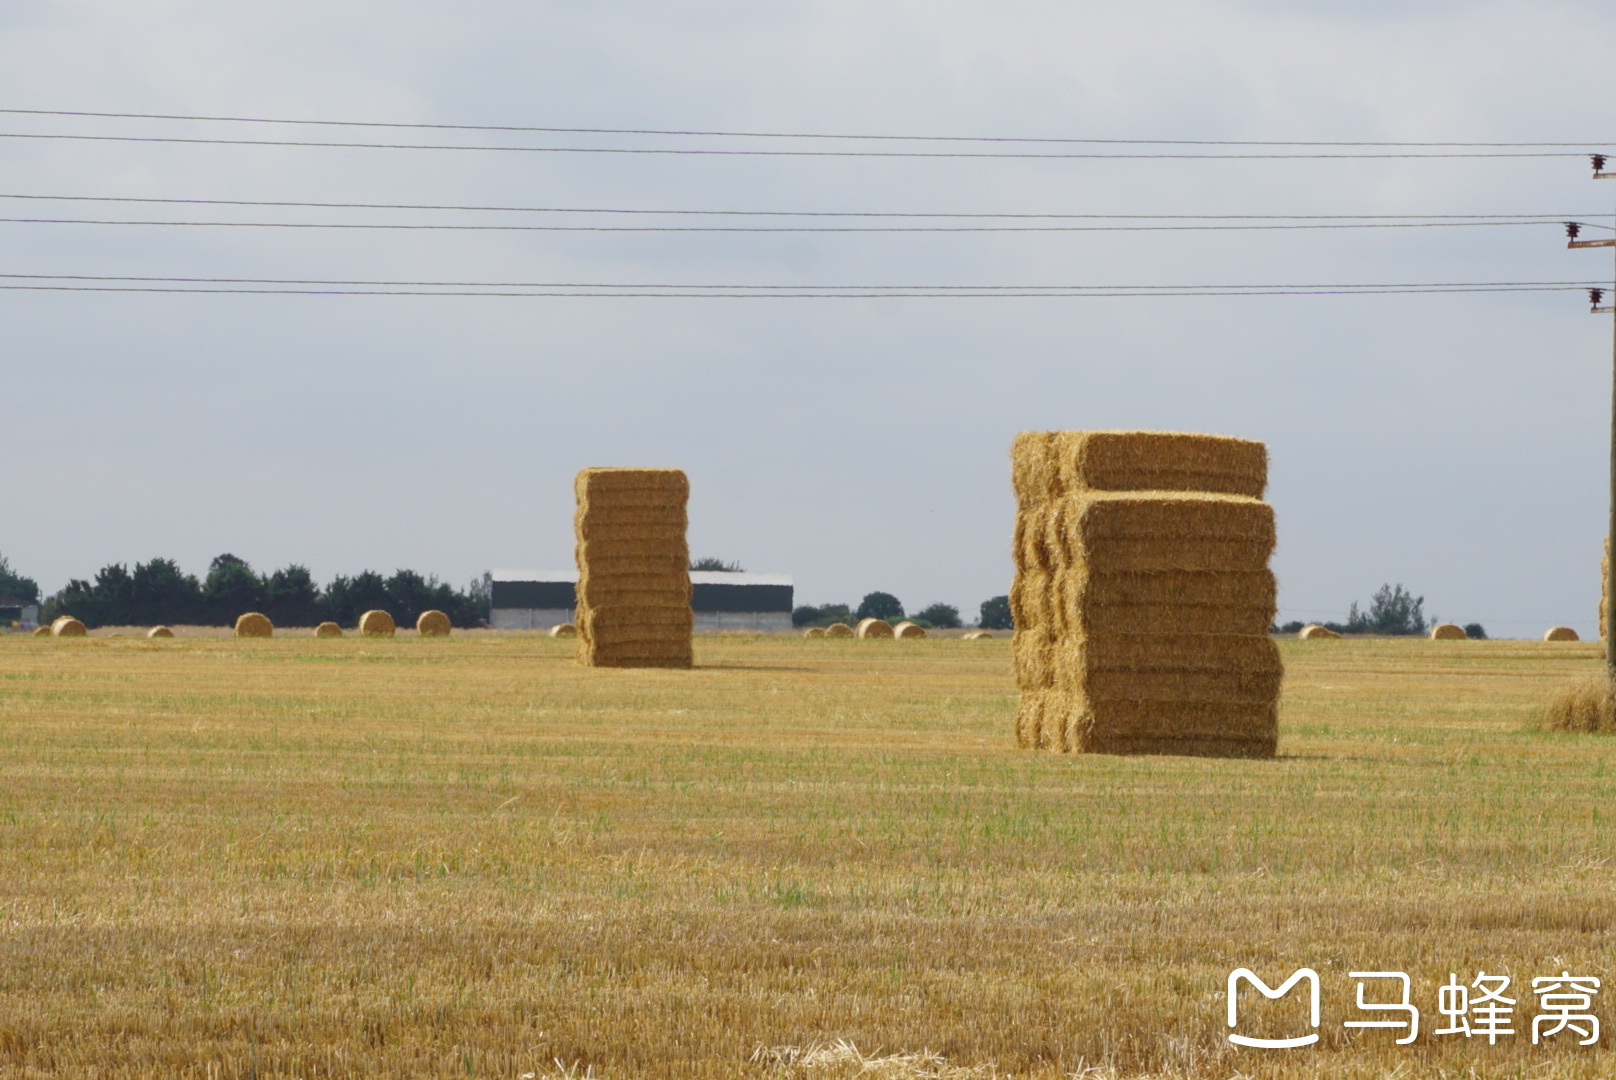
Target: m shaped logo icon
<point>1250,976</point>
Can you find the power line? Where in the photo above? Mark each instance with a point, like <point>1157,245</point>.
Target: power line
<point>1530,218</point>
<point>432,227</point>
<point>335,287</point>
<point>713,152</point>
<point>771,134</point>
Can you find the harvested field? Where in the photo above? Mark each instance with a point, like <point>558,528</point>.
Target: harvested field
<point>470,856</point>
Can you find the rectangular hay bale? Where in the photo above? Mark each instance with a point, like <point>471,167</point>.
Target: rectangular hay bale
<point>633,568</point>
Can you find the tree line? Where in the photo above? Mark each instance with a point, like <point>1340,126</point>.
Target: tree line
<point>160,593</point>
<point>995,613</point>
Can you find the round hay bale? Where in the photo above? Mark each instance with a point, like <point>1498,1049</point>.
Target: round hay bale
<point>67,626</point>
<point>873,628</point>
<point>328,629</point>
<point>432,624</point>
<point>1560,633</point>
<point>975,635</point>
<point>565,629</point>
<point>908,629</point>
<point>838,629</point>
<point>42,631</point>
<point>253,624</point>
<point>159,631</point>
<point>1448,632</point>
<point>814,631</point>
<point>1314,632</point>
<point>377,623</point>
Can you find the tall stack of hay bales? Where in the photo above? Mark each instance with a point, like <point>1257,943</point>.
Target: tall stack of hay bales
<point>1142,596</point>
<point>633,568</point>
<point>1604,588</point>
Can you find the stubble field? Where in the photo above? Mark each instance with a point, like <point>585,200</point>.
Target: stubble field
<point>471,857</point>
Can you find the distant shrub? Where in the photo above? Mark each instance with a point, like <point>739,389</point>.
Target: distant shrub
<point>995,614</point>
<point>1475,630</point>
<point>707,562</point>
<point>824,615</point>
<point>879,605</point>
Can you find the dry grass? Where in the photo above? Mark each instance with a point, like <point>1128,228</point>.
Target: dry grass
<point>1587,705</point>
<point>469,856</point>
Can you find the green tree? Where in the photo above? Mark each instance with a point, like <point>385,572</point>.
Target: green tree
<point>1392,610</point>
<point>995,614</point>
<point>707,562</point>
<point>13,586</point>
<point>942,616</point>
<point>164,595</point>
<point>231,589</point>
<point>347,598</point>
<point>291,598</point>
<point>879,605</point>
<point>824,615</point>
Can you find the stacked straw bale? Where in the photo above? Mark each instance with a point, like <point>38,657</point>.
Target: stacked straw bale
<point>1604,588</point>
<point>252,624</point>
<point>159,631</point>
<point>838,629</point>
<point>1561,633</point>
<point>1142,596</point>
<point>565,629</point>
<point>1448,632</point>
<point>377,623</point>
<point>908,629</point>
<point>633,568</point>
<point>872,628</point>
<point>432,623</point>
<point>1315,632</point>
<point>67,626</point>
<point>328,629</point>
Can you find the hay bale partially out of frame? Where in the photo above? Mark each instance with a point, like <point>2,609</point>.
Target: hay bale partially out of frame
<point>633,591</point>
<point>67,626</point>
<point>377,623</point>
<point>1448,632</point>
<point>328,630</point>
<point>1315,632</point>
<point>1561,633</point>
<point>873,628</point>
<point>839,629</point>
<point>814,631</point>
<point>159,632</point>
<point>907,629</point>
<point>254,625</point>
<point>565,629</point>
<point>432,623</point>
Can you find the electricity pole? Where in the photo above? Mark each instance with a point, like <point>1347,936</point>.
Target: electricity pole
<point>1595,296</point>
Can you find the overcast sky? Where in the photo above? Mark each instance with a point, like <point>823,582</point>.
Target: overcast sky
<point>1453,443</point>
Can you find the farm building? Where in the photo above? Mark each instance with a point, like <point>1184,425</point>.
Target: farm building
<point>539,599</point>
<point>14,610</point>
